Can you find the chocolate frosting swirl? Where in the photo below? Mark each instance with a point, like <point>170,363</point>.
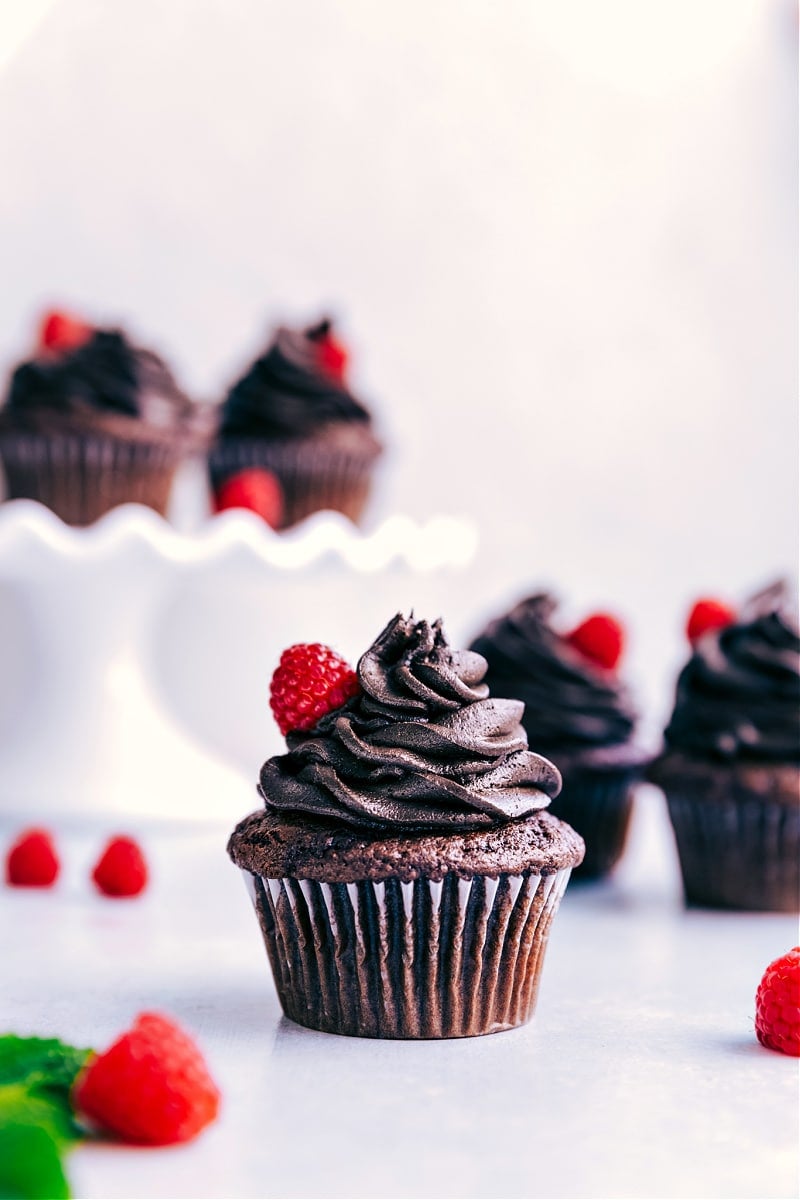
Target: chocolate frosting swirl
<point>106,376</point>
<point>422,747</point>
<point>571,706</point>
<point>738,697</point>
<point>286,393</point>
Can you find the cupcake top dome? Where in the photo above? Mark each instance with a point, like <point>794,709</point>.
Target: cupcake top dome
<point>738,697</point>
<point>294,388</point>
<point>419,745</point>
<point>81,373</point>
<point>574,702</point>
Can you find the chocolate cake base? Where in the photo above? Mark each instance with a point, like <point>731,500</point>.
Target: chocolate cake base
<point>332,470</point>
<point>737,830</point>
<point>406,937</point>
<point>82,476</point>
<point>598,804</point>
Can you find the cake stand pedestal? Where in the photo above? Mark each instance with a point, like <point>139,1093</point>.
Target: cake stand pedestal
<point>136,659</point>
<point>88,735</point>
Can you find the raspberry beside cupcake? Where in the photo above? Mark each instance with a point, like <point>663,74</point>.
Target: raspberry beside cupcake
<point>292,415</point>
<point>731,765</point>
<point>93,421</point>
<point>577,712</point>
<point>404,873</point>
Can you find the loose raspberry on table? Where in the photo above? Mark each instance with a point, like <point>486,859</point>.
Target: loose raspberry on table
<point>707,615</point>
<point>255,489</point>
<point>121,869</point>
<point>32,860</point>
<point>778,1005</point>
<point>600,638</point>
<point>61,332</point>
<point>310,681</point>
<point>151,1086</point>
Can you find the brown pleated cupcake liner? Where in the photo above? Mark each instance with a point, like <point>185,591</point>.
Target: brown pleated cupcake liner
<point>313,475</point>
<point>598,804</point>
<point>738,853</point>
<point>456,958</point>
<point>81,476</point>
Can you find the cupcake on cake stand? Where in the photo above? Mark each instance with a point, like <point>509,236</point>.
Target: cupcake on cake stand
<point>128,647</point>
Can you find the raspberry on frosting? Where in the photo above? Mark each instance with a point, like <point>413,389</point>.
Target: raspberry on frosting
<point>707,615</point>
<point>331,354</point>
<point>60,332</point>
<point>600,638</point>
<point>309,681</point>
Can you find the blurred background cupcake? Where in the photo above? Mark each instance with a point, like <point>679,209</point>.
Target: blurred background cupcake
<point>292,418</point>
<point>93,420</point>
<point>731,766</point>
<point>577,713</point>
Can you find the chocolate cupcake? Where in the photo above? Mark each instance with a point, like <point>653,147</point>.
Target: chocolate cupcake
<point>292,416</point>
<point>93,421</point>
<point>577,712</point>
<point>731,765</point>
<point>403,871</point>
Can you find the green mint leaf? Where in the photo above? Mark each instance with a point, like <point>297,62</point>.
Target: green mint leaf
<point>36,1117</point>
<point>30,1164</point>
<point>39,1062</point>
<point>46,1069</point>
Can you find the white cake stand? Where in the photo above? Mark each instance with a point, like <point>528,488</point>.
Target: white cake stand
<point>93,635</point>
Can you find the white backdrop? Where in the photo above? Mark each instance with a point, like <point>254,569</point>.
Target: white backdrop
<point>561,236</point>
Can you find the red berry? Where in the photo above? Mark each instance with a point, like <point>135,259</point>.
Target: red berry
<point>309,681</point>
<point>151,1086</point>
<point>61,332</point>
<point>255,489</point>
<point>121,869</point>
<point>707,615</point>
<point>778,1005</point>
<point>32,860</point>
<point>600,638</point>
<point>332,357</point>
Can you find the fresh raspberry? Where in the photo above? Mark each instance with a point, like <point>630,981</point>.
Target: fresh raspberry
<point>309,681</point>
<point>32,860</point>
<point>61,332</point>
<point>778,1005</point>
<point>600,638</point>
<point>707,615</point>
<point>255,489</point>
<point>121,869</point>
<point>332,357</point>
<point>151,1086</point>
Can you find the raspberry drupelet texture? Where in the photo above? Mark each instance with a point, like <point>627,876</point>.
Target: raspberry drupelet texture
<point>707,615</point>
<point>121,869</point>
<point>600,638</point>
<point>32,860</point>
<point>778,1005</point>
<point>151,1086</point>
<point>309,681</point>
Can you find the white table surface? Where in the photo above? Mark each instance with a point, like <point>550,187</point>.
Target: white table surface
<point>639,1075</point>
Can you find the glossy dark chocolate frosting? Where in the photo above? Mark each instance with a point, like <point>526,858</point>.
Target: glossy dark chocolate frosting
<point>738,697</point>
<point>571,705</point>
<point>287,393</point>
<point>107,376</point>
<point>423,747</point>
